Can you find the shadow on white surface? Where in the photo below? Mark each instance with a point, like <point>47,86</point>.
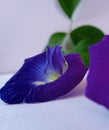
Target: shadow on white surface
<point>77,91</point>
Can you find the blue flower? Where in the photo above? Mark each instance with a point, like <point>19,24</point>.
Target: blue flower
<point>44,77</point>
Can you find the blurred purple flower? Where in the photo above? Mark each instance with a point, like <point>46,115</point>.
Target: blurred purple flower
<point>44,77</point>
<point>98,78</point>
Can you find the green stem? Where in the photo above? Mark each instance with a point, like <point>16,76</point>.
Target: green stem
<point>67,43</point>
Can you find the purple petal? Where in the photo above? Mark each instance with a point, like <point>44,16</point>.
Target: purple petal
<point>61,86</point>
<point>55,61</point>
<point>22,86</point>
<point>33,70</point>
<point>14,93</point>
<point>98,77</point>
<point>19,85</point>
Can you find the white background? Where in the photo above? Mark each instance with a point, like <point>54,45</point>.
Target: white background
<point>26,25</point>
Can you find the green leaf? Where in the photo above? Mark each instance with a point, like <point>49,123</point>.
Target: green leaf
<point>82,49</point>
<point>57,39</point>
<point>86,32</point>
<point>69,6</point>
<point>83,37</point>
<point>62,39</point>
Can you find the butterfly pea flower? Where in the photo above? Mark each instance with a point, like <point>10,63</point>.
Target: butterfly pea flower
<point>97,88</point>
<point>44,77</point>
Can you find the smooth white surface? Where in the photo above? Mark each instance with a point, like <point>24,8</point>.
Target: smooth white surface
<point>70,112</point>
<point>26,25</point>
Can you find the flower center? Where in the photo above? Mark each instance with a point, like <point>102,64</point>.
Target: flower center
<point>53,77</point>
